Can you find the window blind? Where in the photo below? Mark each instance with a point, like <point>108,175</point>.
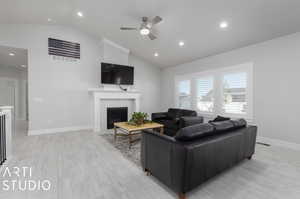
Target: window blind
<point>184,89</point>
<point>205,94</point>
<point>234,93</point>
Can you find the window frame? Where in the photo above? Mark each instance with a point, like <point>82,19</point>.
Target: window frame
<point>218,76</point>
<point>204,76</point>
<point>243,68</point>
<point>177,94</point>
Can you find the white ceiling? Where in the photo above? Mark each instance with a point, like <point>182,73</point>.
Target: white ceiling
<point>193,21</point>
<point>16,61</point>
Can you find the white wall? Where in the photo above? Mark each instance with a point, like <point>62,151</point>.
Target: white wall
<point>114,53</point>
<point>147,81</point>
<point>58,96</point>
<point>276,83</point>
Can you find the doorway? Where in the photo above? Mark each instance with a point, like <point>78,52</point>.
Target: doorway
<point>14,86</point>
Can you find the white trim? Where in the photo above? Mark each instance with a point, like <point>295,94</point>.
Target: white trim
<point>279,143</point>
<point>104,40</point>
<point>58,130</point>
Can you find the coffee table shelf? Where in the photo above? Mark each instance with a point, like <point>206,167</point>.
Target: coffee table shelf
<point>131,130</point>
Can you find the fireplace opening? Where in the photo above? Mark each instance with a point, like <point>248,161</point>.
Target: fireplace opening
<point>116,114</point>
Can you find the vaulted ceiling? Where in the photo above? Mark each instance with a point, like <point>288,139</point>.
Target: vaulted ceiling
<point>196,22</point>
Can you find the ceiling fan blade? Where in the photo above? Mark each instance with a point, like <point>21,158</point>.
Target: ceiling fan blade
<point>156,20</point>
<point>152,36</point>
<point>127,28</point>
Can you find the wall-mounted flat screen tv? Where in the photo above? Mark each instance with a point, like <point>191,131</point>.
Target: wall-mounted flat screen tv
<point>117,74</point>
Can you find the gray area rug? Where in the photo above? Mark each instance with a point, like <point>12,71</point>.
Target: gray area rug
<point>122,144</point>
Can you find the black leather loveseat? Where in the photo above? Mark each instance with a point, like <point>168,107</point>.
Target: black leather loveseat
<point>175,119</point>
<point>197,153</point>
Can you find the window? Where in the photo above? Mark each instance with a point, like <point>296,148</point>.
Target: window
<point>234,93</point>
<point>205,94</point>
<point>184,95</point>
<point>226,91</point>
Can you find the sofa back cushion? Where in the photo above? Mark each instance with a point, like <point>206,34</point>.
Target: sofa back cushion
<point>229,125</point>
<point>238,123</point>
<point>173,113</point>
<point>208,129</point>
<point>190,121</point>
<point>194,132</point>
<point>220,119</point>
<point>223,126</point>
<point>184,112</point>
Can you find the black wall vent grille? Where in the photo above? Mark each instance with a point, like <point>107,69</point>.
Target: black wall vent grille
<point>62,48</point>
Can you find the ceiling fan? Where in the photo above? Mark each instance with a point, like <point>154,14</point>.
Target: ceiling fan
<point>146,26</point>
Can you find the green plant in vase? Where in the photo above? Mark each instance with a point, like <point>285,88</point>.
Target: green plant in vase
<point>139,118</point>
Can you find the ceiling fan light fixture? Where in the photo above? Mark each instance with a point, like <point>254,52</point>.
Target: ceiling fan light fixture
<point>144,31</point>
<point>223,25</point>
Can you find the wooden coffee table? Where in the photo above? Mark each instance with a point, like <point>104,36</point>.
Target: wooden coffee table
<point>130,130</point>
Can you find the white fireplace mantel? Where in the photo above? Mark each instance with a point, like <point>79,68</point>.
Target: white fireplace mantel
<point>101,94</point>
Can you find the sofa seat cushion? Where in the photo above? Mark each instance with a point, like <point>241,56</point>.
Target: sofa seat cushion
<point>194,132</point>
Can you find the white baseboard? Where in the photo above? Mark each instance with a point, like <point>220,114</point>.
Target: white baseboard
<point>58,130</point>
<point>280,143</point>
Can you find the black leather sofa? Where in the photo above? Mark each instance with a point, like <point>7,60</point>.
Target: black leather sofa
<point>175,119</point>
<point>197,153</point>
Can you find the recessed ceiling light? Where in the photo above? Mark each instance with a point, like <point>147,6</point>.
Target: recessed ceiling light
<point>79,14</point>
<point>49,19</point>
<point>11,54</point>
<point>156,54</point>
<point>181,43</point>
<point>23,66</point>
<point>223,25</point>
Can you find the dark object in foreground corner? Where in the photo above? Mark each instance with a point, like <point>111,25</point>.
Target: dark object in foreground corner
<point>2,140</point>
<point>207,150</point>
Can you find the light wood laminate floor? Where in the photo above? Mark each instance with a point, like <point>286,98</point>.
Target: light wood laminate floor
<point>83,165</point>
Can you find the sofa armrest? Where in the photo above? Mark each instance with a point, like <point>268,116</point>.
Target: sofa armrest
<point>190,120</point>
<point>165,158</point>
<point>159,115</point>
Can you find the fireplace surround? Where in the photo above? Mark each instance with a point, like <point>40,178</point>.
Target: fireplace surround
<point>100,94</point>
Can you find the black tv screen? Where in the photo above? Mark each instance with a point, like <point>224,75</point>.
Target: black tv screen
<point>116,74</point>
